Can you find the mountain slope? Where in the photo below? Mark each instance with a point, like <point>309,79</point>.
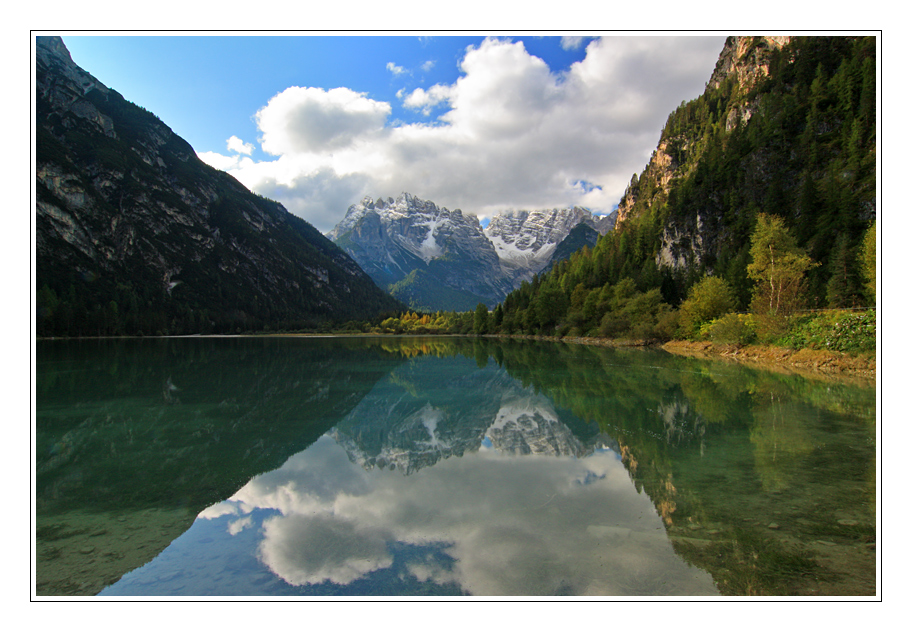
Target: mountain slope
<point>526,241</point>
<point>786,127</point>
<point>436,259</point>
<point>135,234</point>
<point>429,257</point>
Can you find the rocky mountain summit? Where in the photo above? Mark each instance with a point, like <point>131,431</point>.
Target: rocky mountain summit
<point>135,234</point>
<point>526,241</point>
<point>434,258</point>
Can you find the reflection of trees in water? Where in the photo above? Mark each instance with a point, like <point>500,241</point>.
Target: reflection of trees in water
<point>780,440</point>
<point>113,433</point>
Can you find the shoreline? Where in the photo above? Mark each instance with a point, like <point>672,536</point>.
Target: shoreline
<point>808,362</point>
<point>814,363</point>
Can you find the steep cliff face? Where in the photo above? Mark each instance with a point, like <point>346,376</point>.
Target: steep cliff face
<point>136,234</point>
<point>743,64</point>
<point>746,59</point>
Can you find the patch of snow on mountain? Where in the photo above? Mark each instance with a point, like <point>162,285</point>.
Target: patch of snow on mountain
<point>429,248</point>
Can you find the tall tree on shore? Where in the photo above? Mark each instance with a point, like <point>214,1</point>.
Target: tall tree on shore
<point>779,268</point>
<point>481,319</point>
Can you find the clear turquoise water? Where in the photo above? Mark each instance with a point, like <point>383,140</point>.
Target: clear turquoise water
<point>405,466</point>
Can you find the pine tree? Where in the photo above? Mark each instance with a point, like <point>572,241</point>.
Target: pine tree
<point>481,319</point>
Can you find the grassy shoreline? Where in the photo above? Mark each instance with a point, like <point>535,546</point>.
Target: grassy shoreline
<point>806,361</point>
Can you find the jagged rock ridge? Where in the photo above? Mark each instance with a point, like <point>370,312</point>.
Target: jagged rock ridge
<point>434,258</point>
<point>526,241</point>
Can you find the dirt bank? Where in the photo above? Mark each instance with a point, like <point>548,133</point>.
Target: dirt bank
<point>809,361</point>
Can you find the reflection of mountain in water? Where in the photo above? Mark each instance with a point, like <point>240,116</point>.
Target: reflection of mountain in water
<point>528,424</point>
<point>421,414</point>
<point>135,437</point>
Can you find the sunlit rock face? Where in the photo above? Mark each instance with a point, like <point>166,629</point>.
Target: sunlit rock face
<point>434,258</point>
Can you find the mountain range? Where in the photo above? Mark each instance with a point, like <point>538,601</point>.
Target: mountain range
<point>432,258</point>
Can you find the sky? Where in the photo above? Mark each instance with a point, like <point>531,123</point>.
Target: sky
<point>479,123</point>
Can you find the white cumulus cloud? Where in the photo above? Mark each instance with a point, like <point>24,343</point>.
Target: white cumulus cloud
<point>300,120</point>
<point>235,144</point>
<point>424,100</point>
<point>393,68</point>
<point>511,132</point>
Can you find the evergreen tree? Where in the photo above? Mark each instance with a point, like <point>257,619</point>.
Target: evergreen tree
<point>481,319</point>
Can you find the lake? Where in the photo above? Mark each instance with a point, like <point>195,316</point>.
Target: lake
<point>385,466</point>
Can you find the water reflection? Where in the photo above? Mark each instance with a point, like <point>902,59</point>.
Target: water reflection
<point>488,523</point>
<point>135,437</point>
<point>460,466</point>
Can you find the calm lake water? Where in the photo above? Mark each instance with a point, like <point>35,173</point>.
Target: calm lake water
<point>444,466</point>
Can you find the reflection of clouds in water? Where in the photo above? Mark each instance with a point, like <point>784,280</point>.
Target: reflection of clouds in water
<point>225,508</point>
<point>431,570</point>
<point>513,525</point>
<point>239,525</point>
<point>309,550</point>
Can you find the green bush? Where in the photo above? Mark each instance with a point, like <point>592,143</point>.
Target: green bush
<point>708,299</point>
<point>732,329</point>
<point>834,331</point>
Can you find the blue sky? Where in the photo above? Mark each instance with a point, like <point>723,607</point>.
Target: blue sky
<point>479,123</point>
<point>207,88</point>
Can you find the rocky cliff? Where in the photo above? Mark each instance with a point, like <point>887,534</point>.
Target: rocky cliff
<point>135,234</point>
<point>744,61</point>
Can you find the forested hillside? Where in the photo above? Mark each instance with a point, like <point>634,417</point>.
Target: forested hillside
<point>777,154</point>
